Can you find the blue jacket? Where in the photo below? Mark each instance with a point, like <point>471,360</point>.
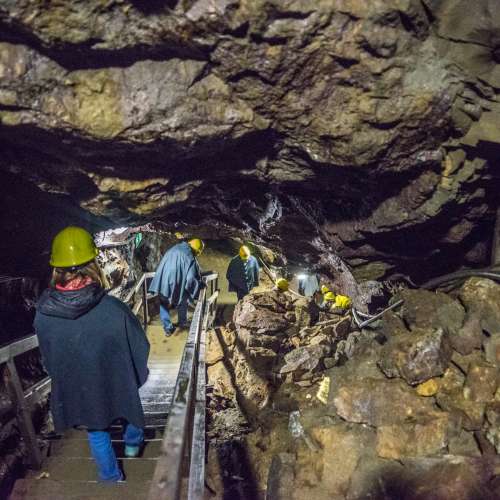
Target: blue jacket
<point>242,275</point>
<point>178,275</point>
<point>96,352</point>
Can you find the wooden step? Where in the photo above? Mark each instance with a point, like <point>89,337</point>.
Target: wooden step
<point>74,448</point>
<point>50,489</point>
<point>150,432</point>
<point>157,397</point>
<point>84,469</point>
<point>153,406</point>
<point>156,420</point>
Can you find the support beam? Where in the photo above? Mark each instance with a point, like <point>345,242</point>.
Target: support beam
<point>23,411</point>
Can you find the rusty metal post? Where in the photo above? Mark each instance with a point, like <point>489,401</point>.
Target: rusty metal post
<point>23,413</point>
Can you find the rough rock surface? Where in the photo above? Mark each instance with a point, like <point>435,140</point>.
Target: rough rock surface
<point>360,427</point>
<point>349,127</point>
<point>425,309</point>
<point>417,357</point>
<point>379,402</point>
<point>482,297</point>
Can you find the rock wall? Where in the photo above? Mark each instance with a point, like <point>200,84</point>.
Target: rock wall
<point>340,127</point>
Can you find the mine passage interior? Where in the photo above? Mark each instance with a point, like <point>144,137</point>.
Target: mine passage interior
<point>351,146</point>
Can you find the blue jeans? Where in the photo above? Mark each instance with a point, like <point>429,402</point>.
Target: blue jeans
<point>165,316</point>
<point>104,455</point>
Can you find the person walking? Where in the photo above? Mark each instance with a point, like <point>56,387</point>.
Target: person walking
<point>94,349</point>
<point>243,272</point>
<point>178,281</point>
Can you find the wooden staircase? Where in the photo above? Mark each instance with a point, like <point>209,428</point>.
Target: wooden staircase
<point>69,471</point>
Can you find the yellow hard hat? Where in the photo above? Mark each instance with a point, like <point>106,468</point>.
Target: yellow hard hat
<point>329,296</point>
<point>73,246</point>
<point>245,252</point>
<point>282,284</point>
<point>342,301</point>
<point>196,245</point>
<point>324,289</point>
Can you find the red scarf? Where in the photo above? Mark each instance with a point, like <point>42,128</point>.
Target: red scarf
<point>76,283</point>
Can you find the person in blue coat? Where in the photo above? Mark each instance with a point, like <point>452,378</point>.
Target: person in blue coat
<point>178,281</point>
<point>95,351</point>
<point>243,272</point>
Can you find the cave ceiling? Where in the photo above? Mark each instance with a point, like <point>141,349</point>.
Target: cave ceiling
<point>368,130</point>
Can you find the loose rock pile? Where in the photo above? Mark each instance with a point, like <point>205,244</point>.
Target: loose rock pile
<point>413,410</point>
<point>276,337</point>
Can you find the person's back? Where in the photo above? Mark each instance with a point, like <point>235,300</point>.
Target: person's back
<point>177,276</point>
<point>94,349</point>
<point>178,281</point>
<point>243,272</point>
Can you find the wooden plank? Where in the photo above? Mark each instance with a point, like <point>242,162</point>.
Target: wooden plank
<point>209,276</point>
<point>167,477</point>
<point>213,298</point>
<point>196,486</point>
<point>38,392</point>
<point>138,285</point>
<point>18,347</point>
<point>23,412</point>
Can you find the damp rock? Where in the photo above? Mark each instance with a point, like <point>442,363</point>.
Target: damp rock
<point>418,356</point>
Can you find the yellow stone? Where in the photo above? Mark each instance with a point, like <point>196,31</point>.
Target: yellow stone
<point>10,118</point>
<point>324,390</point>
<point>120,185</point>
<point>92,103</point>
<point>428,388</point>
<point>8,97</point>
<point>12,60</point>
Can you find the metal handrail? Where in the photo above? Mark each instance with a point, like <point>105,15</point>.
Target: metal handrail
<point>185,430</point>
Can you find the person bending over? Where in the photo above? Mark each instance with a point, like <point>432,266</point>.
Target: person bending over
<point>178,281</point>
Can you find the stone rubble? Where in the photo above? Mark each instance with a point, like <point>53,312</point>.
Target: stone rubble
<point>407,404</point>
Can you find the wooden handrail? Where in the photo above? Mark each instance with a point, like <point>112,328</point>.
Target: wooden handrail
<point>23,401</point>
<point>185,430</point>
<point>18,347</point>
<point>137,286</point>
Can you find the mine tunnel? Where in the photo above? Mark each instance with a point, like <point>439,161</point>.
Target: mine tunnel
<point>286,217</point>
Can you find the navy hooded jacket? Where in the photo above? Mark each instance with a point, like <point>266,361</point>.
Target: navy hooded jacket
<point>178,276</point>
<point>242,275</point>
<point>96,352</point>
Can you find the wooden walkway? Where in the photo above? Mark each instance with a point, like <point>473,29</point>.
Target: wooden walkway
<point>69,471</point>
